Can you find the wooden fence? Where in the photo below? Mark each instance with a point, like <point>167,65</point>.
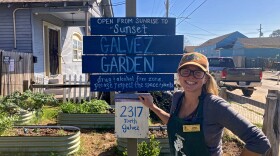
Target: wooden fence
<point>271,123</point>
<point>15,68</point>
<point>72,88</point>
<point>267,115</point>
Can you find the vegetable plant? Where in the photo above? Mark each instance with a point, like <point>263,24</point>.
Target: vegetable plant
<point>6,122</point>
<point>18,102</point>
<point>152,148</point>
<point>27,100</point>
<point>163,100</point>
<point>93,106</point>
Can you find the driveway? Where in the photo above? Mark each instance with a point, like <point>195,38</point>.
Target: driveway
<point>269,81</point>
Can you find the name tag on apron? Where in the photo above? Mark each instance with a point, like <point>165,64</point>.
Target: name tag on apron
<point>191,128</point>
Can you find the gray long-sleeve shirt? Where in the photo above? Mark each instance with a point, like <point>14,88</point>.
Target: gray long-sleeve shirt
<point>217,114</point>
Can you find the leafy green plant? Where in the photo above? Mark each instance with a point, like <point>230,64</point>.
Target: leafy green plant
<point>6,122</point>
<point>152,148</point>
<point>27,101</point>
<point>163,100</point>
<point>18,102</point>
<point>93,106</point>
<point>50,113</point>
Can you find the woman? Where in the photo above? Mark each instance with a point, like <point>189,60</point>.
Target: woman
<point>198,116</point>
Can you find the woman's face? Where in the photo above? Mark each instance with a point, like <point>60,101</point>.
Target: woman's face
<point>192,78</point>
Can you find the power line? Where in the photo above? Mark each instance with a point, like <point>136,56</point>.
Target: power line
<point>172,5</point>
<point>115,4</point>
<point>192,12</point>
<point>186,8</point>
<point>201,28</point>
<point>194,34</point>
<point>153,7</point>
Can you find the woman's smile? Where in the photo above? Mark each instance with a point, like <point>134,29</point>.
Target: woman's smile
<point>191,82</point>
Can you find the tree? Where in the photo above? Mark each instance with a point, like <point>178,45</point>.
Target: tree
<point>275,33</point>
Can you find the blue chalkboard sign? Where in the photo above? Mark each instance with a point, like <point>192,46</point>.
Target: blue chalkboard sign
<point>132,82</point>
<point>133,44</point>
<point>130,64</point>
<point>133,26</point>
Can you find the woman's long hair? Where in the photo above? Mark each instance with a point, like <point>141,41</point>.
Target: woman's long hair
<point>211,86</point>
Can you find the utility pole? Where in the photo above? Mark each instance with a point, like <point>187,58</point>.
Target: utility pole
<point>130,7</point>
<point>260,30</point>
<point>167,7</point>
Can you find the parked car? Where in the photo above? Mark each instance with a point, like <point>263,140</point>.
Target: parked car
<point>227,75</point>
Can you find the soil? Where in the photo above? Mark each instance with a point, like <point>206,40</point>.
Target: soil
<point>39,132</point>
<point>103,143</point>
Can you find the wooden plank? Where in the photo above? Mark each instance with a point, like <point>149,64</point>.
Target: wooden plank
<point>75,82</point>
<point>15,72</point>
<point>132,82</point>
<point>133,26</point>
<point>271,127</point>
<point>64,90</point>
<point>133,44</point>
<point>130,64</point>
<point>69,91</point>
<point>80,89</point>
<point>69,85</point>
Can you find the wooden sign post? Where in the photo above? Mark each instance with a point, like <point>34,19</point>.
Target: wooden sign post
<point>131,54</point>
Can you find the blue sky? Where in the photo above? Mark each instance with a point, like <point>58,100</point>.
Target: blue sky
<point>211,18</point>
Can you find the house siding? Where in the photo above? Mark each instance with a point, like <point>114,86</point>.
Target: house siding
<point>208,51</point>
<point>6,29</point>
<point>38,48</point>
<point>261,52</point>
<point>69,66</point>
<point>30,35</point>
<point>23,30</point>
<point>226,52</point>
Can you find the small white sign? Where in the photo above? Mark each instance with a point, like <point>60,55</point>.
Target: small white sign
<point>12,65</point>
<point>6,59</point>
<point>131,120</point>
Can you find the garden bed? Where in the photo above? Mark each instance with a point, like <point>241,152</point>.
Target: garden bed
<point>40,140</point>
<point>101,120</point>
<point>89,114</point>
<point>25,117</point>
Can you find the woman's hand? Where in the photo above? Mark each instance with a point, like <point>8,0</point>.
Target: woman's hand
<point>147,100</point>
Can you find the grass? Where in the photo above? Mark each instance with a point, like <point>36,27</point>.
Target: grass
<point>49,115</point>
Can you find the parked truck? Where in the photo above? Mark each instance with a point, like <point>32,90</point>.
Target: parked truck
<point>227,75</point>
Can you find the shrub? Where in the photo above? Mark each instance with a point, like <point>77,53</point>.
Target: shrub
<point>151,148</point>
<point>18,102</point>
<point>93,106</point>
<point>6,122</point>
<point>27,101</point>
<point>163,100</point>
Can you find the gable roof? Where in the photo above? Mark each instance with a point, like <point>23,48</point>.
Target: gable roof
<point>215,40</point>
<point>189,48</point>
<point>265,42</point>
